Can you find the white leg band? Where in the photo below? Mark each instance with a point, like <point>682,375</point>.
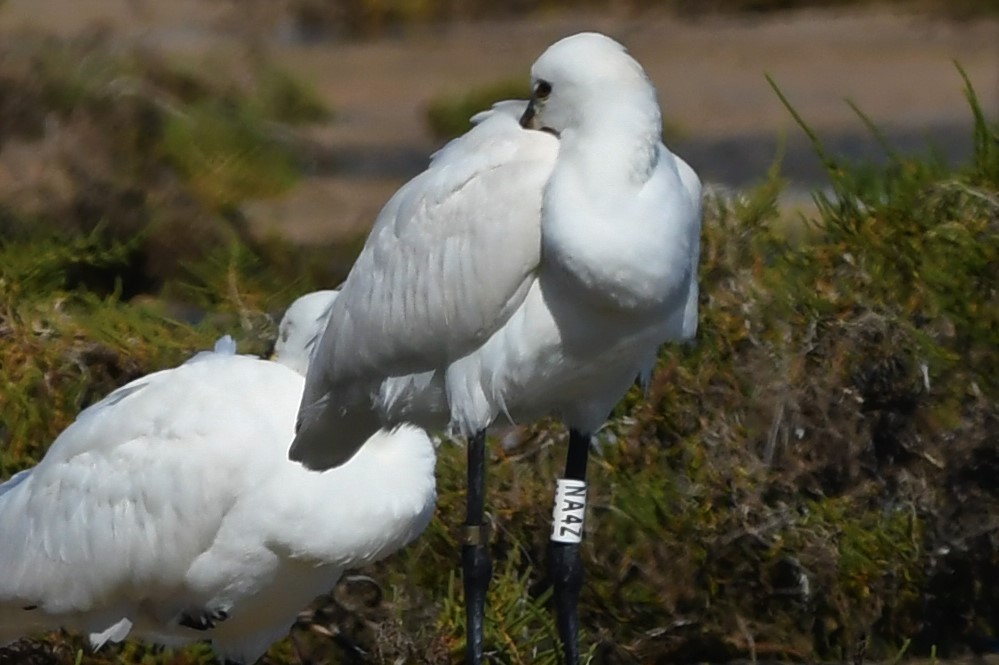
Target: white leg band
<point>569,512</point>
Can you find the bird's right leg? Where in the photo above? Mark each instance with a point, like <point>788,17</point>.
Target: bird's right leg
<point>567,534</point>
<point>477,568</point>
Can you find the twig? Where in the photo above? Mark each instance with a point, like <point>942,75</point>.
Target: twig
<point>768,452</point>
<point>750,642</point>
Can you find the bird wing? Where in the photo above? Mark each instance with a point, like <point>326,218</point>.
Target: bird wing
<point>450,257</point>
<point>138,486</point>
<point>514,108</point>
<point>692,186</point>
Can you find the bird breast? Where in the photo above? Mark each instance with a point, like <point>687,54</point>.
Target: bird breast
<point>624,253</point>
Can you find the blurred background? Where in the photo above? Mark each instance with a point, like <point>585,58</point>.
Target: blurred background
<point>383,83</point>
<point>814,480</point>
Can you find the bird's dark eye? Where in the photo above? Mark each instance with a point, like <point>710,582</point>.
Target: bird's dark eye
<point>542,89</point>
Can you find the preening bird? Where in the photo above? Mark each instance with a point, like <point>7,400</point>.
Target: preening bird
<point>535,268</point>
<point>300,328</point>
<point>169,510</point>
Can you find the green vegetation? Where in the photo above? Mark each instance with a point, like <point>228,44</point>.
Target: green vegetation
<point>817,472</point>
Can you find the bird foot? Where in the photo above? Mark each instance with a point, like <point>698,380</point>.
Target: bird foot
<point>205,619</point>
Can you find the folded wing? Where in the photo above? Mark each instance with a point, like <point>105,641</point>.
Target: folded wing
<point>414,300</point>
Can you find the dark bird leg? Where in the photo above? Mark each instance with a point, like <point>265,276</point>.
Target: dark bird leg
<point>202,619</point>
<point>477,568</point>
<point>567,533</point>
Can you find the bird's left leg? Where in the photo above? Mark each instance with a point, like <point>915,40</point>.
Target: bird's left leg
<point>567,533</point>
<point>477,568</point>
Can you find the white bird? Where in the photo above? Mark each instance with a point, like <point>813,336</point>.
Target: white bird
<point>170,512</point>
<point>523,274</point>
<point>300,328</point>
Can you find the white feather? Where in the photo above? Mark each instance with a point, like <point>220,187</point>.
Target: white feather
<point>300,329</point>
<point>174,495</point>
<point>521,273</point>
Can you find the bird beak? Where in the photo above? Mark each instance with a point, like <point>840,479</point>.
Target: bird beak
<point>529,120</point>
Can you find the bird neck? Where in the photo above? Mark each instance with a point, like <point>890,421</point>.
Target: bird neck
<point>607,232</point>
<point>614,143</point>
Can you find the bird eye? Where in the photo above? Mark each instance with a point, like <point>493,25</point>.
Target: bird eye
<point>542,90</point>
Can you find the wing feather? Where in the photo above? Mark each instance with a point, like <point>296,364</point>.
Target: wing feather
<point>472,218</point>
<point>139,485</point>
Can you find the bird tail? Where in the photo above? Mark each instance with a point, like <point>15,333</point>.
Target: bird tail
<point>328,435</point>
<point>16,541</point>
<point>19,616</point>
<point>29,577</point>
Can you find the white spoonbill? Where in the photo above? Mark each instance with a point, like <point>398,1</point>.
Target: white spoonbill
<point>169,511</point>
<point>524,273</point>
<point>300,328</point>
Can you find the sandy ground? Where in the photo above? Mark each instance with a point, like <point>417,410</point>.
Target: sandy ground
<point>709,73</point>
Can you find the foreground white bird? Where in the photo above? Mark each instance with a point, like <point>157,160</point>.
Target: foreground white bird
<point>524,273</point>
<point>170,512</point>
